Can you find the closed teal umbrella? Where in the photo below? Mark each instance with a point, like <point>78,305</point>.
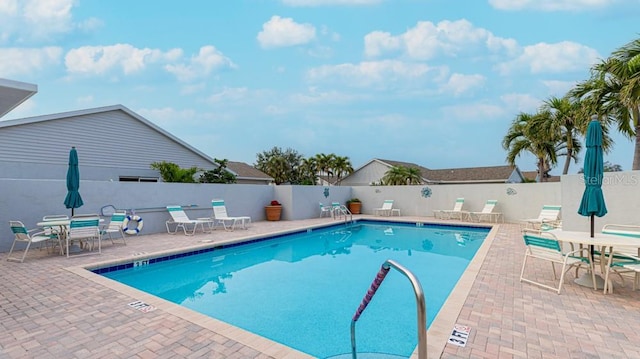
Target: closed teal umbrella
<point>73,199</point>
<point>592,199</point>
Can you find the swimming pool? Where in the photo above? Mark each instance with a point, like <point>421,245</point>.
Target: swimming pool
<point>301,290</point>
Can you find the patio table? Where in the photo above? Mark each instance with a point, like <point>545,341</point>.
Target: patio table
<point>604,240</point>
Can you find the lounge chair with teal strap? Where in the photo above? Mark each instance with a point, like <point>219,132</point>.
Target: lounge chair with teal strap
<point>181,220</point>
<point>548,218</point>
<point>220,216</point>
<point>486,213</point>
<point>545,246</point>
<point>454,213</point>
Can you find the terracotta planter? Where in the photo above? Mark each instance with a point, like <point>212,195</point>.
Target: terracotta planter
<point>354,207</point>
<point>273,212</point>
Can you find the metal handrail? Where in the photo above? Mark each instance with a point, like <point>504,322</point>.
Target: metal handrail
<point>420,303</point>
<point>345,211</point>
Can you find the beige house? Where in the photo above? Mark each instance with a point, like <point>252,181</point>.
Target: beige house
<point>373,171</point>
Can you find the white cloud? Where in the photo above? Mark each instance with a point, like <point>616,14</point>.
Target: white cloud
<point>202,64</point>
<point>283,32</point>
<point>29,20</point>
<point>515,103</point>
<point>374,73</point>
<point>549,5</point>
<point>21,61</point>
<point>98,60</point>
<point>427,40</point>
<point>551,58</point>
<point>377,42</point>
<point>478,112</point>
<point>101,60</point>
<point>229,95</point>
<point>459,83</point>
<point>329,2</point>
<point>313,96</point>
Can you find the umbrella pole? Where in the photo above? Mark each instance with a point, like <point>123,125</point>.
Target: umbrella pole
<point>585,279</point>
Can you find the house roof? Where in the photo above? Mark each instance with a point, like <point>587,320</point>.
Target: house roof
<point>458,175</point>
<point>98,110</point>
<point>245,171</point>
<point>14,93</point>
<point>471,174</point>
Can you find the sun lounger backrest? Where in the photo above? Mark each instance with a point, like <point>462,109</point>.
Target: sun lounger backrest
<point>488,207</point>
<point>219,209</point>
<point>458,206</point>
<point>178,215</point>
<point>550,212</point>
<point>387,204</point>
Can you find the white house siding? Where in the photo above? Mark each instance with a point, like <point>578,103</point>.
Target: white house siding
<point>371,172</point>
<point>110,144</point>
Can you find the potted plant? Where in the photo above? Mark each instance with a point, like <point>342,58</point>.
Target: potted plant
<point>354,205</point>
<point>273,211</point>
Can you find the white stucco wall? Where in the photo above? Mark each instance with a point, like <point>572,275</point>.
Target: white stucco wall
<point>621,192</point>
<point>515,200</point>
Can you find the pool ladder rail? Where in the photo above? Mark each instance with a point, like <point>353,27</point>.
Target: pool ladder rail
<point>343,211</point>
<point>420,303</point>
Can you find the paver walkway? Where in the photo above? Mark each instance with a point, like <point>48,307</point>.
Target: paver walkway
<point>48,311</point>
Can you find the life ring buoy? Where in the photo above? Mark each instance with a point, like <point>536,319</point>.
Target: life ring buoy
<point>125,224</point>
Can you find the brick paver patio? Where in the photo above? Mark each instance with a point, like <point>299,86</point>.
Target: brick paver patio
<point>48,310</point>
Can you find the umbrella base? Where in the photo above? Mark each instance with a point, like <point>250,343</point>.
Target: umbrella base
<point>586,281</point>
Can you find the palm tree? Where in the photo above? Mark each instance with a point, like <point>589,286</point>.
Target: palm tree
<point>561,118</point>
<point>394,176</point>
<point>401,175</point>
<point>325,163</point>
<point>341,166</point>
<point>413,175</point>
<point>613,93</point>
<point>526,135</point>
<point>309,171</point>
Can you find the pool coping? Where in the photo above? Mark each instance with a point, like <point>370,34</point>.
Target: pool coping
<point>438,332</point>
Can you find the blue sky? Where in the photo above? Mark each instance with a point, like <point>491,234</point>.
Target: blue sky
<point>433,82</point>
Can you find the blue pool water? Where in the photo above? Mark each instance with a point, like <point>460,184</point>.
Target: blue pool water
<point>302,289</point>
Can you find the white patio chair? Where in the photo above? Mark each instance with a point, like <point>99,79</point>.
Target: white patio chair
<point>545,246</point>
<point>22,234</point>
<point>115,227</point>
<point>325,210</point>
<point>85,229</point>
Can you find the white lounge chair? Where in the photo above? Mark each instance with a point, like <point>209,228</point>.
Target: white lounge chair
<point>22,234</point>
<point>545,246</point>
<point>486,213</point>
<point>220,216</point>
<point>386,209</point>
<point>181,220</point>
<point>455,213</point>
<point>549,218</point>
